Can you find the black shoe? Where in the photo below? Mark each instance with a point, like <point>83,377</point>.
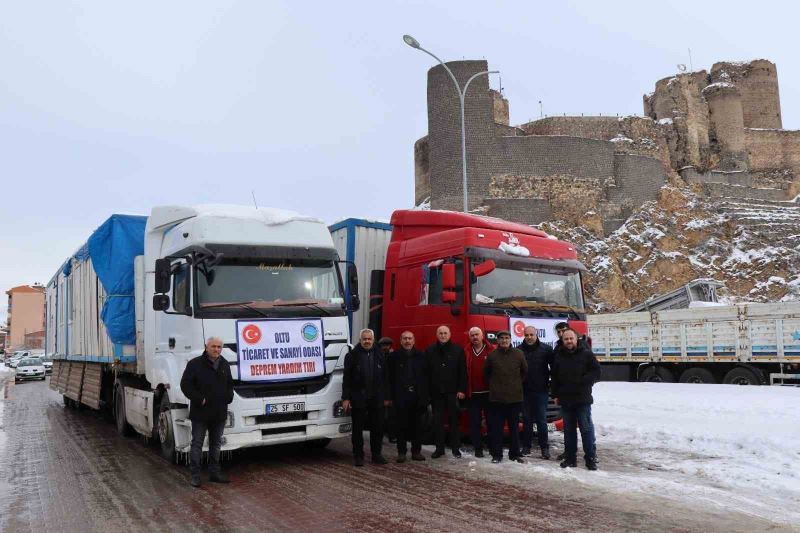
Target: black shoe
<point>393,440</point>
<point>560,457</point>
<point>545,454</point>
<point>219,477</point>
<point>417,456</point>
<point>525,452</point>
<point>457,453</point>
<point>196,480</point>
<point>437,454</point>
<point>379,460</point>
<point>401,458</point>
<point>516,459</point>
<point>496,460</point>
<point>479,453</point>
<point>591,463</point>
<point>566,463</point>
<point>358,461</point>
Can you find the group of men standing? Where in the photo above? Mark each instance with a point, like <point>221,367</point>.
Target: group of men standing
<point>498,384</point>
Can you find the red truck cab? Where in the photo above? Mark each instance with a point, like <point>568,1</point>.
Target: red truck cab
<point>464,270</point>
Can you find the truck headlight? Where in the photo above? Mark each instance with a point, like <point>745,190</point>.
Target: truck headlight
<point>338,410</point>
<point>229,422</point>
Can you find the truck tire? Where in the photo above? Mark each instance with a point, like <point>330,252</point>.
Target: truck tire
<point>697,375</point>
<point>741,376</point>
<point>123,428</point>
<point>166,437</point>
<point>657,374</point>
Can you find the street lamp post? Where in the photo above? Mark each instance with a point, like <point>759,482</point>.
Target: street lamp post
<point>413,43</point>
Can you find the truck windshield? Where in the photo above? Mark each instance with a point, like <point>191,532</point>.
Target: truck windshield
<point>526,287</point>
<point>277,285</point>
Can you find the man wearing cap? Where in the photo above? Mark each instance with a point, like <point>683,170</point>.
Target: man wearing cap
<point>385,345</point>
<point>477,389</point>
<point>448,385</point>
<point>409,378</point>
<point>505,370</point>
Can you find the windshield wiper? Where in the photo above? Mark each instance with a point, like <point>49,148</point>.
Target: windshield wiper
<point>307,304</point>
<point>246,305</point>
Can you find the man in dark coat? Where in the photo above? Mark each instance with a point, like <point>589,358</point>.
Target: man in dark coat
<point>208,384</point>
<point>409,378</point>
<point>539,357</point>
<point>385,345</point>
<point>448,385</point>
<point>477,389</point>
<point>364,393</point>
<point>505,370</point>
<point>575,371</point>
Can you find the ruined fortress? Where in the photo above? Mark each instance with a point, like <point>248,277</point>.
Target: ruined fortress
<point>719,131</point>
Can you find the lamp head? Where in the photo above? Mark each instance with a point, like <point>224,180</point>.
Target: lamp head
<point>410,41</point>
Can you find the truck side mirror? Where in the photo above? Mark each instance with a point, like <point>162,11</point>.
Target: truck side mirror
<point>352,286</point>
<point>484,268</point>
<point>448,276</point>
<point>163,274</point>
<point>160,302</point>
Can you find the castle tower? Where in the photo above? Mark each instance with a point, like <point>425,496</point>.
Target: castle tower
<point>758,85</point>
<point>444,135</point>
<point>727,123</point>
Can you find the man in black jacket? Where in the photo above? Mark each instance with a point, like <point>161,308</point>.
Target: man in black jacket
<point>208,384</point>
<point>409,377</point>
<point>364,393</point>
<point>537,391</point>
<point>575,370</point>
<point>448,385</point>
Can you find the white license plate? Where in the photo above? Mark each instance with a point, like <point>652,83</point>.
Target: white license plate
<point>279,408</point>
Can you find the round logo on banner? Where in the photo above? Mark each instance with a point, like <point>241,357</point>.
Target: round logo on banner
<point>519,328</point>
<point>310,332</point>
<point>251,334</point>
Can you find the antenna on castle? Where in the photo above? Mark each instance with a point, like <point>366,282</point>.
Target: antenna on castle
<point>691,68</point>
<point>254,198</point>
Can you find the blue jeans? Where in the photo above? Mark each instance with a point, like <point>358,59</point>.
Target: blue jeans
<point>578,416</point>
<point>535,411</point>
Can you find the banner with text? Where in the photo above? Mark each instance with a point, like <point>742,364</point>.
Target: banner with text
<point>545,329</point>
<point>280,349</point>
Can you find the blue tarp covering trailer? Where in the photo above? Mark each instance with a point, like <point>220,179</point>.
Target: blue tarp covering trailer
<point>112,248</point>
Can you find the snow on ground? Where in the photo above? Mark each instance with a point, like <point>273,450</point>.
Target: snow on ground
<point>727,446</point>
<point>5,372</point>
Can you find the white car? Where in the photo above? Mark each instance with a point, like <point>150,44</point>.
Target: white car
<point>48,364</point>
<point>30,368</point>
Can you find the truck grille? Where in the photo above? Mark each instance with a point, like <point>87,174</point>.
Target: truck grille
<point>280,417</point>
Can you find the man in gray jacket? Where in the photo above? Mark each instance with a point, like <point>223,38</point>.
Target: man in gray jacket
<point>505,370</point>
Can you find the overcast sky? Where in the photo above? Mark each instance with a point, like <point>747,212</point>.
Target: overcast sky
<point>111,107</point>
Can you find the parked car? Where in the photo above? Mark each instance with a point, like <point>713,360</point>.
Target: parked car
<point>30,368</point>
<point>48,364</point>
<point>15,359</point>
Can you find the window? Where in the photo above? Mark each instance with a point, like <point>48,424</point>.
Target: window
<point>180,289</point>
<point>431,283</point>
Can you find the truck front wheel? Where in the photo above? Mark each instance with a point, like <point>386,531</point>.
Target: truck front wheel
<point>166,437</point>
<point>123,428</point>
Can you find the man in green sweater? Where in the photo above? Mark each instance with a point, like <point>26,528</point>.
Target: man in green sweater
<point>505,370</point>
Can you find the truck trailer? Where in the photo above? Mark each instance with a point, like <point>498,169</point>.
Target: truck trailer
<point>748,344</point>
<point>138,300</point>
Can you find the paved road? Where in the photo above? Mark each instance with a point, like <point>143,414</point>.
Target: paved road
<point>67,470</point>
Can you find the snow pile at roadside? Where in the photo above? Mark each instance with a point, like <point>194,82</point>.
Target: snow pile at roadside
<point>724,445</point>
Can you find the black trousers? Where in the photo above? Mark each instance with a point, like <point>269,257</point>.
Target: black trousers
<point>199,428</point>
<point>372,414</point>
<point>445,404</point>
<point>478,408</point>
<point>408,424</point>
<point>500,414</point>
